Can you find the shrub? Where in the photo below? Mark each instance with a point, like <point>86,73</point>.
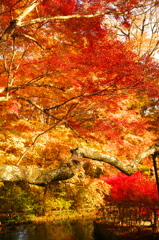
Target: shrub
<point>18,203</point>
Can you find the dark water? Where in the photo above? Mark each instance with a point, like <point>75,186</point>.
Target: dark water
<point>63,230</point>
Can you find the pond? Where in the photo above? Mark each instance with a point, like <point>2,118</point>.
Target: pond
<point>79,229</point>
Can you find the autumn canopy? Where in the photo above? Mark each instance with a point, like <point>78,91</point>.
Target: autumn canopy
<point>77,73</point>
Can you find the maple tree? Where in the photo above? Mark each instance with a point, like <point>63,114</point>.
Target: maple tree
<point>135,197</point>
<point>62,67</point>
<point>138,188</point>
<point>80,75</point>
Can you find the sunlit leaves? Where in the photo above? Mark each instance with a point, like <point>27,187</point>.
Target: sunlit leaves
<point>75,74</point>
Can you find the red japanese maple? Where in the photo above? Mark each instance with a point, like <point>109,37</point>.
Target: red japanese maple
<point>137,188</point>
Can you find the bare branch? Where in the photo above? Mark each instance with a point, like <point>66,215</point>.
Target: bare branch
<point>7,34</point>
<point>35,105</point>
<point>35,140</point>
<point>26,11</point>
<point>15,24</point>
<point>46,19</point>
<point>27,37</point>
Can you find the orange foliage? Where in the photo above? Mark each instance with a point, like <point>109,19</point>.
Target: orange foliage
<point>62,67</point>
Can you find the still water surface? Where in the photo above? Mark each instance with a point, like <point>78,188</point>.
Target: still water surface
<point>63,230</point>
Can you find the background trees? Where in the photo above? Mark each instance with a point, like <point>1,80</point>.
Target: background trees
<point>65,66</point>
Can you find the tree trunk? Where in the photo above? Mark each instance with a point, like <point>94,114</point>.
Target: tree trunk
<point>33,175</point>
<point>42,177</point>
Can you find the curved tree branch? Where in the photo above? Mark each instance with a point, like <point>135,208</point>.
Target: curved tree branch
<point>44,19</point>
<point>42,177</point>
<point>18,23</point>
<point>128,169</point>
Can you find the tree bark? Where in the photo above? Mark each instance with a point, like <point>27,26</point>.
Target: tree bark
<point>128,169</point>
<point>15,24</point>
<point>42,177</point>
<point>33,175</point>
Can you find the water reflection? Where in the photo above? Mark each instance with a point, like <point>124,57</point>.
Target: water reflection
<point>64,230</point>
